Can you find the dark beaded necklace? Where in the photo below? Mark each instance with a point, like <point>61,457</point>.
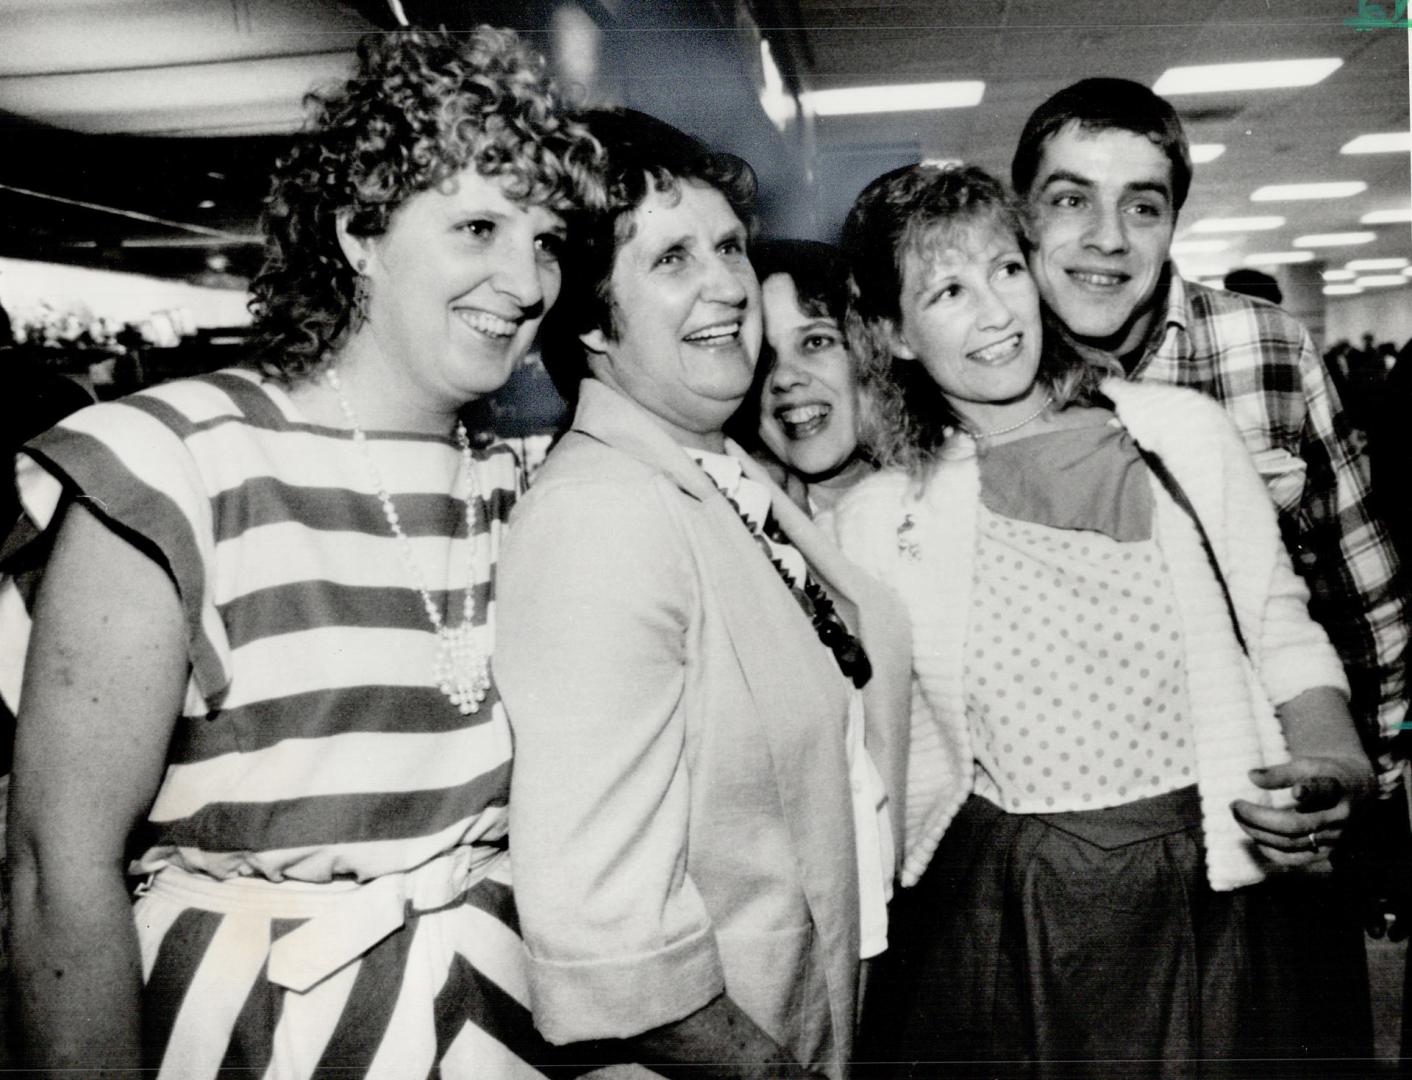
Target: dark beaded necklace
<point>847,650</point>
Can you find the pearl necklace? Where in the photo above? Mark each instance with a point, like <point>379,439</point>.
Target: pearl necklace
<point>980,435</point>
<point>462,669</point>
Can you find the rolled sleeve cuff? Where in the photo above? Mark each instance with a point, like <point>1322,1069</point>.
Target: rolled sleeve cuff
<point>1286,678</point>
<point>621,997</point>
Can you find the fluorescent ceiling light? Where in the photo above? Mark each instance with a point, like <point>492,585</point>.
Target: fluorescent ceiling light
<point>1381,281</point>
<point>1342,290</point>
<point>1257,75</point>
<point>1407,271</point>
<point>1201,153</point>
<point>1278,258</point>
<point>1376,264</point>
<point>266,94</point>
<point>1237,224</point>
<point>1201,273</point>
<point>1335,239</point>
<point>779,105</point>
<point>1386,217</point>
<point>1195,267</point>
<point>1338,189</point>
<point>1339,275</point>
<point>1196,247</point>
<point>1384,142</point>
<point>902,97</point>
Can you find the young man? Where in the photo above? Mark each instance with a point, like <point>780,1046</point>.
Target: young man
<point>1104,168</point>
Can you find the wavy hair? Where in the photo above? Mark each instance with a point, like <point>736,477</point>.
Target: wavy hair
<point>915,210</point>
<point>421,106</point>
<point>644,155</point>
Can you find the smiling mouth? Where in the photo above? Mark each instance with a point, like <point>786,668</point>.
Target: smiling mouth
<point>1097,279</point>
<point>998,352</point>
<point>726,333</point>
<point>803,421</point>
<point>488,325</point>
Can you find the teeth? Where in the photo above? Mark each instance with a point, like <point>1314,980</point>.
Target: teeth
<point>488,324</point>
<point>719,332</point>
<point>802,414</point>
<point>1106,280</point>
<point>998,351</point>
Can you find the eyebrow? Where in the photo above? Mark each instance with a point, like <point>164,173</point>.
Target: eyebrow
<point>1063,176</point>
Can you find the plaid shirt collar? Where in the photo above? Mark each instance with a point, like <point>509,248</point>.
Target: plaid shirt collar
<point>1176,311</point>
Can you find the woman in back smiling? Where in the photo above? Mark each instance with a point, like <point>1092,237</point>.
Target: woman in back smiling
<point>807,407</point>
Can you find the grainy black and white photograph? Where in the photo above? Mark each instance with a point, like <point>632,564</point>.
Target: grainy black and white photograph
<point>713,540</point>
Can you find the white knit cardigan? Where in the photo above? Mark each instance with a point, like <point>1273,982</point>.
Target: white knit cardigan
<point>921,541</point>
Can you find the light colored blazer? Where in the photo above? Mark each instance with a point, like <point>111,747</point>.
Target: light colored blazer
<point>923,544</point>
<point>679,812</point>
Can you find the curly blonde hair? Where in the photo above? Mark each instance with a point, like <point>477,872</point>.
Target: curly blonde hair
<point>420,107</point>
<point>911,210</point>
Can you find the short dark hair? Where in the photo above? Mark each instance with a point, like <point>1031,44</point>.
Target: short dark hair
<point>644,155</point>
<point>820,275</point>
<point>1254,283</point>
<point>819,272</point>
<point>1105,105</point>
<point>421,106</point>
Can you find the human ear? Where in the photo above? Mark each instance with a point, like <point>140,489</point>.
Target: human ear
<point>356,249</point>
<point>897,342</point>
<point>595,341</point>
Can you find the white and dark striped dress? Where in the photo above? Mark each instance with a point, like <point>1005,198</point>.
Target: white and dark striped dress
<point>313,749</point>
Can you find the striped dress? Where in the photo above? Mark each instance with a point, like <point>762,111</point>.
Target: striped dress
<point>328,874</point>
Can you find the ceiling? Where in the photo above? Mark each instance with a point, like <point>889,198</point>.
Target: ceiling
<point>1026,50</point>
<point>139,134</point>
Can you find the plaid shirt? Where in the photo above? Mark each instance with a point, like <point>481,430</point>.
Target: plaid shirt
<point>1260,363</point>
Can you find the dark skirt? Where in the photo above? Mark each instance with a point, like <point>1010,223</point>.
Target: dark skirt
<point>1088,944</point>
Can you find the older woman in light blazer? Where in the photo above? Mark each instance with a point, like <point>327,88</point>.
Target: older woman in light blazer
<point>678,681</point>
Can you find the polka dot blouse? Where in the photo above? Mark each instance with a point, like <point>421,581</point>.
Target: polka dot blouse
<point>1075,677</point>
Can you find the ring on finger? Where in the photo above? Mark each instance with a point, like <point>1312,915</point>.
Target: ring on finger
<point>1313,842</point>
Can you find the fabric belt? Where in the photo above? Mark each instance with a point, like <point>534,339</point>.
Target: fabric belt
<point>1132,822</point>
<point>343,919</point>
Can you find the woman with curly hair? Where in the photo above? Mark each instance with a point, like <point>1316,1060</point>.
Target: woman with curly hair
<point>259,662</point>
<point>1127,731</point>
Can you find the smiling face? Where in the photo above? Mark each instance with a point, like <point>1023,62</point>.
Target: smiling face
<point>1102,216</point>
<point>809,401</point>
<point>687,314</point>
<point>970,316</point>
<point>457,286</point>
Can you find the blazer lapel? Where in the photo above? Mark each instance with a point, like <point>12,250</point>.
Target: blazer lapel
<point>881,621</point>
<point>799,699</point>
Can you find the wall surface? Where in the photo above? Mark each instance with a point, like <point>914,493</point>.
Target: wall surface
<point>1384,313</point>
